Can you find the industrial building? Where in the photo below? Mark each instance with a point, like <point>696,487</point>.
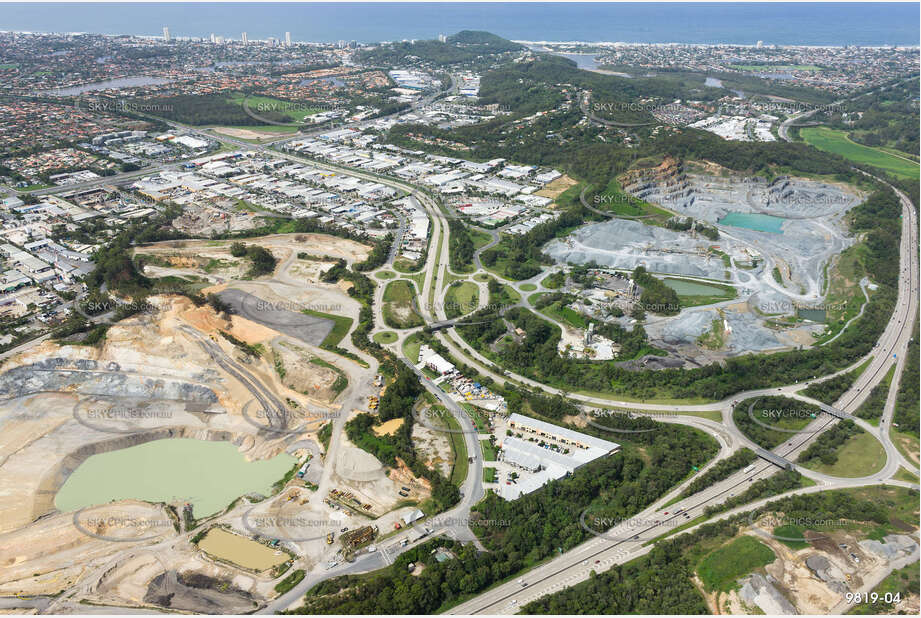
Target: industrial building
<point>545,452</point>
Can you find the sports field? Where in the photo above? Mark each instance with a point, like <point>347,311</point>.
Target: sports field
<point>837,142</point>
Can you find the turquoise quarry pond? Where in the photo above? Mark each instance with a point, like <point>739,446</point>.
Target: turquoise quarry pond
<point>693,288</point>
<point>209,475</point>
<point>754,221</point>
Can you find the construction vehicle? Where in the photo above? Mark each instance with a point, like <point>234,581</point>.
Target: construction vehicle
<point>329,538</point>
<point>360,536</point>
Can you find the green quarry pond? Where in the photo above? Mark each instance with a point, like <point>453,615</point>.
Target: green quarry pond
<point>209,475</point>
<point>754,221</point>
<point>693,288</point>
<point>815,315</point>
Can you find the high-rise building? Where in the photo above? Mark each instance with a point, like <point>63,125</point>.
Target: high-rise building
<point>245,40</point>
<point>166,34</point>
<point>213,38</point>
<point>287,39</point>
<point>443,38</point>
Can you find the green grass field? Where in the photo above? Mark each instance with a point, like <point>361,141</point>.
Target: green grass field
<point>342,326</point>
<point>615,200</point>
<point>479,238</point>
<point>459,447</point>
<point>489,475</point>
<point>565,315</point>
<point>411,347</point>
<point>791,531</point>
<point>461,299</point>
<point>720,569</point>
<point>398,309</point>
<point>385,274</point>
<point>837,142</point>
<point>385,337</point>
<point>405,266</point>
<point>906,443</point>
<point>527,287</point>
<point>295,112</point>
<point>489,451</point>
<point>905,475</point>
<point>861,455</point>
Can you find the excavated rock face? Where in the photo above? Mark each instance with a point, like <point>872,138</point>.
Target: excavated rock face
<point>892,546</point>
<point>89,377</point>
<point>759,590</point>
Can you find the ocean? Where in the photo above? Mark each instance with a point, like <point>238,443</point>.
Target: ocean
<point>867,24</point>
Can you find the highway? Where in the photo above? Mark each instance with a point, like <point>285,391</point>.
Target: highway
<point>626,541</point>
<point>600,553</point>
<point>574,565</point>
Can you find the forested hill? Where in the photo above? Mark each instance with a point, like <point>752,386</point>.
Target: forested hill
<point>619,99</point>
<point>465,46</point>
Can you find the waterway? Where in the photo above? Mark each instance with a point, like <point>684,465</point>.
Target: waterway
<point>754,221</point>
<point>713,82</point>
<point>121,82</point>
<point>583,61</point>
<point>335,81</point>
<point>209,475</point>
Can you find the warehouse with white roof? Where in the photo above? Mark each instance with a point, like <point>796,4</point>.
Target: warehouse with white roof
<point>545,452</point>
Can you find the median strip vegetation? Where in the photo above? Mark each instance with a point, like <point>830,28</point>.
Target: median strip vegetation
<point>829,391</point>
<point>721,470</point>
<point>873,406</point>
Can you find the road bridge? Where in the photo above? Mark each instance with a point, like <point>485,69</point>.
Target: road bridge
<point>834,411</point>
<point>774,458</point>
